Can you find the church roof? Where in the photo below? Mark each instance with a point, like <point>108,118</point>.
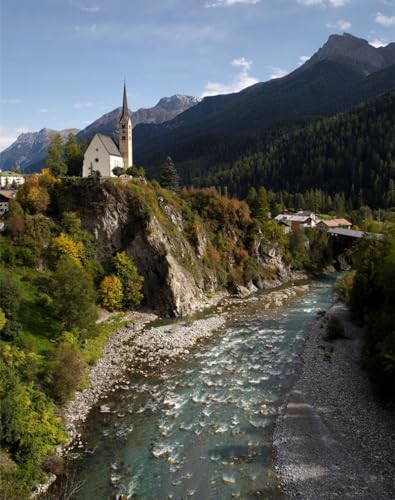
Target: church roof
<point>109,144</point>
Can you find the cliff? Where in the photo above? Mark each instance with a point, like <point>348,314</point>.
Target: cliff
<point>187,247</point>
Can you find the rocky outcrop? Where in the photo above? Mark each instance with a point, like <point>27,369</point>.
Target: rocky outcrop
<point>172,255</point>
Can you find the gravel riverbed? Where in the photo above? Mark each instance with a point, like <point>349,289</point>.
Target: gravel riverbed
<point>333,439</point>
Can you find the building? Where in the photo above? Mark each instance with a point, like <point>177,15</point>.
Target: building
<point>325,225</point>
<point>300,219</point>
<point>11,180</point>
<point>103,154</point>
<point>5,197</point>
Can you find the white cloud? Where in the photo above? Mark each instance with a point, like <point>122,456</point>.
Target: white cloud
<point>378,42</point>
<point>338,3</point>
<point>91,29</point>
<point>47,110</point>
<point>90,9</point>
<point>81,105</point>
<point>241,81</point>
<point>340,25</point>
<point>303,59</point>
<point>309,3</point>
<point>324,3</point>
<point>384,20</point>
<point>229,3</point>
<point>10,101</point>
<point>277,72</point>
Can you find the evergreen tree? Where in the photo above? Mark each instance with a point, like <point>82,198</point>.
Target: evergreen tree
<point>262,205</point>
<point>54,160</point>
<point>73,155</point>
<point>169,177</point>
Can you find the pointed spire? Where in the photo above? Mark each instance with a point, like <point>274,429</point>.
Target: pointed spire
<point>125,109</point>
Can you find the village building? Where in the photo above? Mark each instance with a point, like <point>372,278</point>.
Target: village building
<point>5,197</point>
<point>103,154</point>
<point>293,221</point>
<point>325,225</point>
<point>11,180</point>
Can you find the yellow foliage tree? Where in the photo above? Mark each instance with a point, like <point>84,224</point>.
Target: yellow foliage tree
<point>110,293</point>
<point>64,245</point>
<point>47,179</point>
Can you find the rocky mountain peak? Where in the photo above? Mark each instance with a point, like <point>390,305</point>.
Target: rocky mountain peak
<point>177,101</point>
<point>355,52</point>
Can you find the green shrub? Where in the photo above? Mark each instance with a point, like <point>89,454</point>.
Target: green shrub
<point>334,329</point>
<point>66,372</point>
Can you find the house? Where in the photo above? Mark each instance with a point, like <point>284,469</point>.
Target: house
<point>103,154</point>
<point>298,219</point>
<point>11,179</point>
<point>5,197</point>
<point>325,225</point>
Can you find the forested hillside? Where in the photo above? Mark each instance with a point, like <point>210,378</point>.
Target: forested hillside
<point>352,153</point>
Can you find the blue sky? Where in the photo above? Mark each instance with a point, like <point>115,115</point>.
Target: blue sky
<point>63,61</point>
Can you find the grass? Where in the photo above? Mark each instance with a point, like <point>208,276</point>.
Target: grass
<point>38,328</point>
<point>95,344</point>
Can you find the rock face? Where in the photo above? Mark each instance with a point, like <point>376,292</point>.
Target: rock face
<point>355,52</point>
<point>178,279</point>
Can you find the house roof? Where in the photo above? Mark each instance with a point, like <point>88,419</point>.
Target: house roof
<point>292,218</point>
<point>336,222</point>
<point>109,144</point>
<point>6,193</point>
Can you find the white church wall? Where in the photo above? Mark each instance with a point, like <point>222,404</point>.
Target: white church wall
<point>98,158</point>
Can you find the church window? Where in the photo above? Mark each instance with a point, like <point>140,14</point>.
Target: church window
<point>96,160</point>
<point>123,137</point>
<point>97,149</point>
<point>123,126</point>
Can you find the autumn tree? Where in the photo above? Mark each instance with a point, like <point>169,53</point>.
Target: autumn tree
<point>132,281</point>
<point>64,245</point>
<point>111,293</point>
<point>33,196</point>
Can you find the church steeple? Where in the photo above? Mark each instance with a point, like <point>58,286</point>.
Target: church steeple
<point>125,132</point>
<point>125,109</point>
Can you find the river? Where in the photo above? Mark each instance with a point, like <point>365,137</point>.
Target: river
<point>202,429</point>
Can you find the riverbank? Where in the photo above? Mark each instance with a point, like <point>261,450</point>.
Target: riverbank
<point>332,438</point>
<point>140,349</point>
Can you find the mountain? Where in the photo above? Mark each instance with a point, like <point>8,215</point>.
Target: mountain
<point>354,52</point>
<point>166,109</point>
<point>30,148</point>
<point>352,153</point>
<point>344,72</point>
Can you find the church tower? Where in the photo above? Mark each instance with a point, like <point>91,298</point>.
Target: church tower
<point>125,133</point>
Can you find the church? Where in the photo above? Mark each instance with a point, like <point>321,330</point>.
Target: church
<point>103,154</point>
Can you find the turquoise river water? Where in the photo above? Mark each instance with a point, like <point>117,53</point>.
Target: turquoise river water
<point>202,429</point>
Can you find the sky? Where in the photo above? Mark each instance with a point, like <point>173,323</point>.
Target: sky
<point>63,62</point>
